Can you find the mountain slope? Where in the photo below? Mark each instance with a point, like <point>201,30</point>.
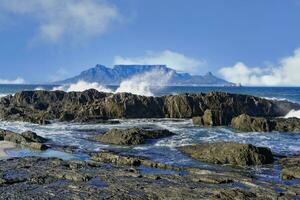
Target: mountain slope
<point>115,75</point>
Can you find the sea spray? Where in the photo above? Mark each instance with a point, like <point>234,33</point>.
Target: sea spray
<point>145,84</point>
<point>142,84</point>
<point>293,113</point>
<point>81,86</point>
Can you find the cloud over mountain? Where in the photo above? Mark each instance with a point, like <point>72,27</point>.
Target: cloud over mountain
<point>60,19</point>
<point>172,59</point>
<point>285,73</point>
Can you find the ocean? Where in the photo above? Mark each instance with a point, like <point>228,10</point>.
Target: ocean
<point>163,150</point>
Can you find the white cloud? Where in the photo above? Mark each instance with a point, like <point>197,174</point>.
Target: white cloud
<point>172,59</point>
<point>59,19</point>
<point>59,75</point>
<point>286,73</point>
<point>18,80</point>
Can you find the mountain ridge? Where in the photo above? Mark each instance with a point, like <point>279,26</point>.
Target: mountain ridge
<point>114,76</point>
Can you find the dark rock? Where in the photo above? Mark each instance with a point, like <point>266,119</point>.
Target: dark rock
<point>229,153</point>
<point>32,136</point>
<point>212,118</point>
<point>113,157</point>
<point>287,125</point>
<point>290,167</point>
<point>51,178</point>
<point>131,136</point>
<point>110,157</point>
<point>235,194</point>
<point>248,123</point>
<point>43,106</point>
<point>28,139</point>
<point>260,124</point>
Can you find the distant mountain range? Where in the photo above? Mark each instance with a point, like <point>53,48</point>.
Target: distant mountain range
<point>114,76</point>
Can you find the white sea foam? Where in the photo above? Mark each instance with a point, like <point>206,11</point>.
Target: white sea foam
<point>293,113</point>
<point>276,99</point>
<point>3,95</point>
<point>39,88</point>
<point>143,84</point>
<point>81,86</point>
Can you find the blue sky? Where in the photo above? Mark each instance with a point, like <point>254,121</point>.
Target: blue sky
<point>254,42</point>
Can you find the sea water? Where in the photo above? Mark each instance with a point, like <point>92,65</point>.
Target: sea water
<point>163,150</point>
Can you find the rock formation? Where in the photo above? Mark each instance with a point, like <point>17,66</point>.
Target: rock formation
<point>290,167</point>
<point>43,106</point>
<point>52,178</point>
<point>28,139</point>
<point>131,136</point>
<point>229,153</point>
<point>261,124</point>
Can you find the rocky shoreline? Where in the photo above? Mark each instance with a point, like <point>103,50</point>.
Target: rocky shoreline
<point>112,175</point>
<point>43,106</point>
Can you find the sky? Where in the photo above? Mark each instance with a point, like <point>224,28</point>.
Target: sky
<point>250,42</point>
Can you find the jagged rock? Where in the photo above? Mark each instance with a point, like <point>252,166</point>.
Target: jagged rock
<point>236,194</point>
<point>248,123</point>
<point>43,106</point>
<point>113,157</point>
<point>212,118</point>
<point>131,136</point>
<point>260,124</point>
<point>229,153</point>
<point>287,125</point>
<point>290,167</point>
<point>48,178</point>
<point>28,139</point>
<point>32,136</point>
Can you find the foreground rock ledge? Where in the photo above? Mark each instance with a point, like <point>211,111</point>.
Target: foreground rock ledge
<point>290,167</point>
<point>229,153</point>
<point>42,106</point>
<point>50,178</point>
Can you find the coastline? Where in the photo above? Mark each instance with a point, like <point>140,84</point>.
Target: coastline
<point>4,146</point>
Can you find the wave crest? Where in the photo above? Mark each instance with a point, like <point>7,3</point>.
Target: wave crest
<point>293,113</point>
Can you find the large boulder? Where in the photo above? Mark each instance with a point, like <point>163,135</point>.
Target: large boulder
<point>131,136</point>
<point>212,118</point>
<point>32,136</point>
<point>219,108</point>
<point>248,124</point>
<point>28,139</point>
<point>229,153</point>
<point>260,124</point>
<point>290,167</point>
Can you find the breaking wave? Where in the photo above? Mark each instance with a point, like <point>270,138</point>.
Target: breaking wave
<point>81,86</point>
<point>293,113</point>
<point>143,84</point>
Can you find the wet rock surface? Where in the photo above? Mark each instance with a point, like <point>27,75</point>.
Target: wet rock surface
<point>51,178</point>
<point>131,136</point>
<point>113,157</point>
<point>43,106</point>
<point>260,124</point>
<point>290,167</point>
<point>229,153</point>
<point>28,139</point>
<point>212,118</point>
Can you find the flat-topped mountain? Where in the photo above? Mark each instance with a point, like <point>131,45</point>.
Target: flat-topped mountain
<point>114,76</point>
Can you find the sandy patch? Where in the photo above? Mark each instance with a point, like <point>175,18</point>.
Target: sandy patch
<point>4,145</point>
